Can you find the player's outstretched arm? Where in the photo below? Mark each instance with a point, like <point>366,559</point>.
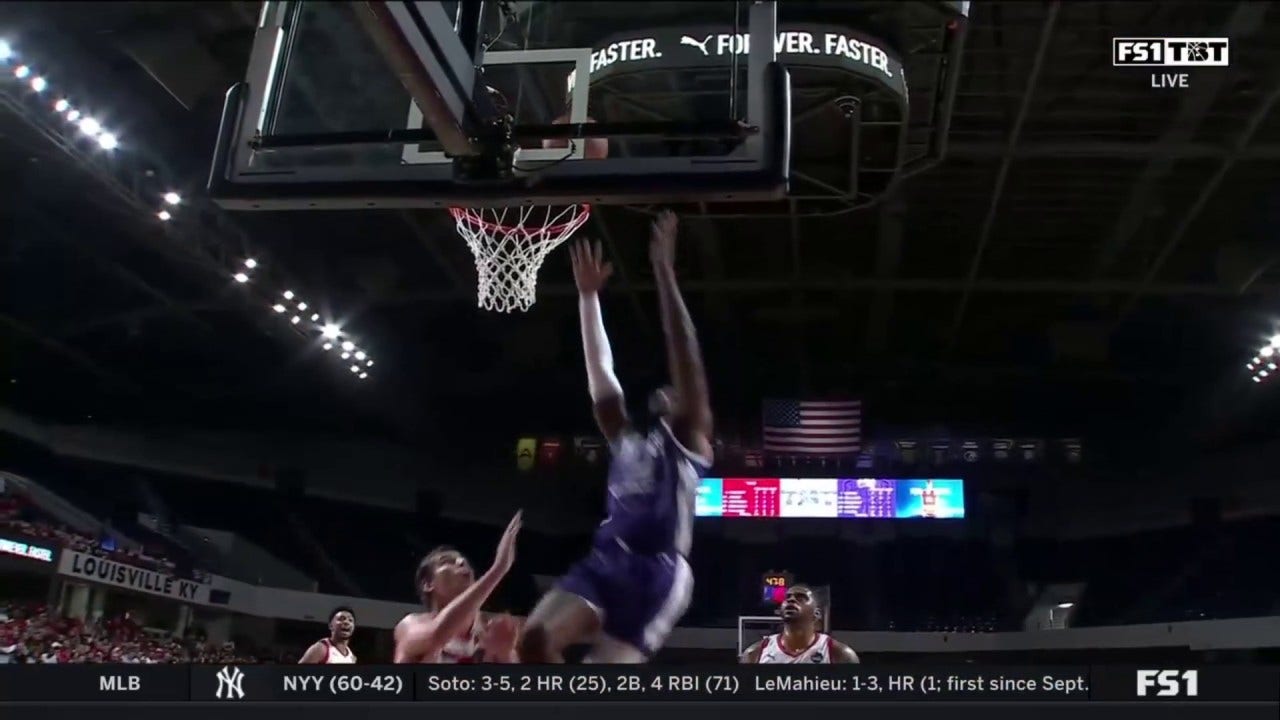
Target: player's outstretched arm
<point>314,654</point>
<point>418,638</point>
<point>841,653</point>
<point>752,655</point>
<point>684,356</point>
<point>590,271</point>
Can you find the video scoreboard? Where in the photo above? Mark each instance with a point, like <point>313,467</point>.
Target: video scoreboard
<point>883,498</point>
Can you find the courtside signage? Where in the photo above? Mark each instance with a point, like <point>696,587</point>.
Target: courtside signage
<point>92,568</point>
<point>1170,52</point>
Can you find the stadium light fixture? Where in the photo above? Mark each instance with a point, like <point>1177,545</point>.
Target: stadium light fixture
<point>331,331</point>
<point>355,368</point>
<point>288,294</point>
<point>345,355</point>
<point>1267,351</point>
<point>369,364</point>
<point>6,50</point>
<point>1256,379</point>
<point>73,115</point>
<point>278,308</point>
<point>107,141</point>
<point>364,375</point>
<point>250,263</point>
<point>90,127</point>
<point>327,346</point>
<point>348,346</point>
<point>1065,605</point>
<point>295,320</point>
<point>61,106</point>
<point>22,71</point>
<point>164,215</point>
<point>302,306</point>
<point>1262,373</point>
<point>360,355</point>
<point>39,84</point>
<point>241,277</point>
<point>172,198</point>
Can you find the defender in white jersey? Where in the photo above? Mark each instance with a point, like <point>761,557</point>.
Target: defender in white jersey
<point>799,643</point>
<point>451,630</point>
<point>335,649</point>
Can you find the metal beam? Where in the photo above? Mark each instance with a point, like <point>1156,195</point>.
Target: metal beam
<point>1015,134</point>
<point>74,356</point>
<point>896,284</point>
<point>1100,150</point>
<point>1195,107</point>
<point>888,257</point>
<point>1197,206</point>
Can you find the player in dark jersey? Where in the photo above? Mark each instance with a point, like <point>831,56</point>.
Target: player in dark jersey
<point>451,630</point>
<point>626,596</point>
<point>800,642</point>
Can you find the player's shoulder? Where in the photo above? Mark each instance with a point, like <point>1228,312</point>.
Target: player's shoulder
<point>841,653</point>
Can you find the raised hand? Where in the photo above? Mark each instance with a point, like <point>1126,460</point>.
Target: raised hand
<point>505,556</point>
<point>499,641</point>
<point>590,271</point>
<point>662,242</point>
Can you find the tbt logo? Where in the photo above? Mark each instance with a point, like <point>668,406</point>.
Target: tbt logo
<point>1170,52</point>
<point>229,681</point>
<point>1169,683</point>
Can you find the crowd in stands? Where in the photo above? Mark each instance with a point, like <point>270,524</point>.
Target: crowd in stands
<point>25,520</point>
<point>31,634</point>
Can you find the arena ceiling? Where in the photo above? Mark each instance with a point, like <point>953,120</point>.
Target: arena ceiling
<point>1093,250</point>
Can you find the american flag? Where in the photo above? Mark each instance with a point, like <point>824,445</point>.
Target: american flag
<point>813,428</point>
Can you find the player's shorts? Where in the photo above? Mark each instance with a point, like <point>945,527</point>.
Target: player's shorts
<point>639,597</point>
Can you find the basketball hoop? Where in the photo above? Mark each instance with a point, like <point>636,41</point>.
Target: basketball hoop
<point>509,245</point>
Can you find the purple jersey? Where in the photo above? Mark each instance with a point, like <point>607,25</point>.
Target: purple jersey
<point>653,481</point>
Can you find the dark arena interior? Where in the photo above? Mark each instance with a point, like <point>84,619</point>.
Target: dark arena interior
<point>1053,278</point>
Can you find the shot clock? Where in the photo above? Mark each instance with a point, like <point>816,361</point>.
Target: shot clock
<point>774,587</point>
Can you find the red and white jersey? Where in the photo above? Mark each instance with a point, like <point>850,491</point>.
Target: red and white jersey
<point>818,653</point>
<point>335,656</point>
<point>465,648</point>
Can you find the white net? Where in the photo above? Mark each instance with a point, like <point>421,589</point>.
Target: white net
<point>510,244</point>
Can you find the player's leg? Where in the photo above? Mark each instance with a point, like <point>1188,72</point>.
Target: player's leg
<point>571,613</point>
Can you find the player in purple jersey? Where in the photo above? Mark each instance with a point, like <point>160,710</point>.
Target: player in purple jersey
<point>625,596</point>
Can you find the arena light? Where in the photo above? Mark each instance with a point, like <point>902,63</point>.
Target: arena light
<point>295,320</point>
<point>278,308</point>
<point>73,115</point>
<point>288,294</point>
<point>315,317</point>
<point>6,50</point>
<point>360,355</point>
<point>1065,605</point>
<point>107,141</point>
<point>1267,351</point>
<point>355,368</point>
<point>172,198</point>
<point>331,331</point>
<point>1248,366</point>
<point>1271,366</point>
<point>241,277</point>
<point>39,84</point>
<point>61,106</point>
<point>90,127</point>
<point>346,355</point>
<point>1262,373</point>
<point>348,346</point>
<point>250,263</point>
<point>164,215</point>
<point>364,375</point>
<point>22,71</point>
<point>369,364</point>
<point>1256,379</point>
<point>302,306</point>
<point>327,346</point>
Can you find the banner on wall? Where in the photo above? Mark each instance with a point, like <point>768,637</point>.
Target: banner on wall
<point>19,548</point>
<point>102,571</point>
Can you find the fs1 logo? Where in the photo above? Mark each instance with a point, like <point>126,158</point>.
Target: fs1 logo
<point>1169,683</point>
<point>1170,52</point>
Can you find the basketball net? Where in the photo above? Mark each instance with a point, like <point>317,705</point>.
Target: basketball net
<point>509,245</point>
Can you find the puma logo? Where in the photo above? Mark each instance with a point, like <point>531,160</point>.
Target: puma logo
<point>686,40</point>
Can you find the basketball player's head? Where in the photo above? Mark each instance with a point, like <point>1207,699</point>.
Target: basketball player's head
<point>442,575</point>
<point>342,623</point>
<point>663,402</point>
<point>799,608</point>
